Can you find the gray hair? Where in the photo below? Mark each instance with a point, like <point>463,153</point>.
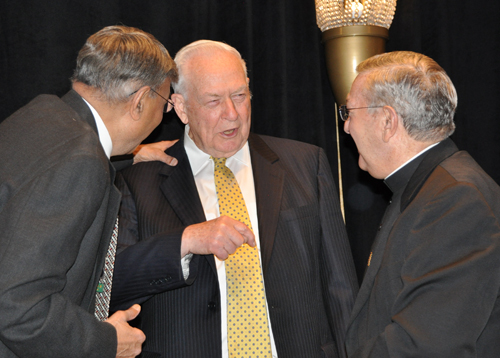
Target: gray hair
<point>118,60</point>
<point>197,48</point>
<point>417,88</point>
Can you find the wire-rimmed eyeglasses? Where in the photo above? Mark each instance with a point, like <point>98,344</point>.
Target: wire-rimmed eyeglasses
<point>169,103</point>
<point>344,111</point>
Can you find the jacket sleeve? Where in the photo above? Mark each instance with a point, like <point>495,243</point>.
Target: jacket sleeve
<point>144,266</point>
<point>44,215</point>
<point>338,272</point>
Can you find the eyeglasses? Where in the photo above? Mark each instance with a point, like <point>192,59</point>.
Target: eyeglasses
<point>344,111</point>
<point>168,106</point>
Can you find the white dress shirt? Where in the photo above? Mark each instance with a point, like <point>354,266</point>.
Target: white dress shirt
<point>203,170</point>
<point>102,131</point>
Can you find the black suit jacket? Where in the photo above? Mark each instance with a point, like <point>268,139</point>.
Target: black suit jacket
<point>307,265</point>
<point>432,288</point>
<point>57,210</point>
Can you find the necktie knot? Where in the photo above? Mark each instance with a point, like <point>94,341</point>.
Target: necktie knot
<point>219,162</point>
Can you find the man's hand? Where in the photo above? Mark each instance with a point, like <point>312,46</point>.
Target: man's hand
<point>221,237</point>
<point>155,152</point>
<point>130,339</point>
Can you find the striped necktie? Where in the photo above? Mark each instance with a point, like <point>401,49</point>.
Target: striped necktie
<point>103,293</point>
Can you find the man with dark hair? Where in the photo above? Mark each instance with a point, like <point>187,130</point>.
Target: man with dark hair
<point>431,288</point>
<point>58,204</point>
<point>211,287</point>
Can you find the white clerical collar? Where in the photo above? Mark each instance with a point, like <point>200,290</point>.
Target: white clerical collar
<point>199,159</point>
<point>102,131</point>
<point>415,156</point>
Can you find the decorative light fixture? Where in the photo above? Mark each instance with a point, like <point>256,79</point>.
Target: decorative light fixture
<point>353,30</point>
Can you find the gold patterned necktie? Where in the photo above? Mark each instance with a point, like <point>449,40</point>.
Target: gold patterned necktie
<point>247,323</point>
<point>103,293</point>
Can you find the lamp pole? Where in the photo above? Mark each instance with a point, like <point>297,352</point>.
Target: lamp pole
<point>353,30</point>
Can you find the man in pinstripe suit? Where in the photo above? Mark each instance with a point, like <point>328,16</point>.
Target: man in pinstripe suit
<point>173,244</point>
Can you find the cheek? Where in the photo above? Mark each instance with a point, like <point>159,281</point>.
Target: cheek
<point>159,118</point>
<point>245,116</point>
<point>155,122</point>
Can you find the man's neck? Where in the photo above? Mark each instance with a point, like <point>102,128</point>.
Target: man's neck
<point>410,152</point>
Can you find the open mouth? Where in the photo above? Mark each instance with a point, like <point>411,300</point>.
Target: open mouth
<point>230,132</point>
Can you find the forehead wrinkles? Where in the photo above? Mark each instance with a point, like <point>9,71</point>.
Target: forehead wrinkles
<point>211,75</point>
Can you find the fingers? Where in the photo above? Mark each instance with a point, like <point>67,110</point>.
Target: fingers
<point>167,159</point>
<point>132,312</point>
<point>155,152</point>
<point>129,339</point>
<point>246,233</point>
<point>165,144</point>
<point>220,237</point>
<point>125,316</point>
<point>161,147</point>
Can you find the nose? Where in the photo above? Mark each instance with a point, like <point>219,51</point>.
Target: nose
<point>229,110</point>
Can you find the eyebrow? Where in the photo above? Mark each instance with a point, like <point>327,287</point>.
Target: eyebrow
<point>215,95</point>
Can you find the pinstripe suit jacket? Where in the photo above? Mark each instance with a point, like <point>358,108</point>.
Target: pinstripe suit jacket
<point>307,265</point>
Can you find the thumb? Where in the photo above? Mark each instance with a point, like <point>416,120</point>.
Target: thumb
<point>132,312</point>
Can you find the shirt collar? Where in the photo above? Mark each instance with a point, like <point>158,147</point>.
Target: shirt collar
<point>102,131</point>
<point>398,179</point>
<point>415,156</point>
<point>199,159</point>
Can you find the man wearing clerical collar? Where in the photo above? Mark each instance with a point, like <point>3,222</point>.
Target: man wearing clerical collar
<point>432,281</point>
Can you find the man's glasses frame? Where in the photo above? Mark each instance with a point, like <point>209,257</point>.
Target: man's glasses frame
<point>344,111</point>
<point>169,103</point>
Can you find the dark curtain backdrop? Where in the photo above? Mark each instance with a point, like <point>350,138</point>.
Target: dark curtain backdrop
<point>281,43</point>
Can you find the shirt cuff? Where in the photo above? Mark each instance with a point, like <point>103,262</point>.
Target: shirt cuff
<point>185,265</point>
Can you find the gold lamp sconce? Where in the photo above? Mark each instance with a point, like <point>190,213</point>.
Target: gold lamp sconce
<point>353,30</point>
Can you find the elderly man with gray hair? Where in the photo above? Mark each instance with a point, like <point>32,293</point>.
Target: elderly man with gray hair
<point>240,250</point>
<point>58,203</point>
<point>431,288</point>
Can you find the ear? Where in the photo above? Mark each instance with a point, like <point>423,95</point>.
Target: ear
<point>180,107</point>
<point>137,103</point>
<point>391,123</point>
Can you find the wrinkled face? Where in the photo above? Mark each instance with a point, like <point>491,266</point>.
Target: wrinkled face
<point>365,128</point>
<point>217,107</point>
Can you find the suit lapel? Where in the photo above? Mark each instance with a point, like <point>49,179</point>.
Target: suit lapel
<point>179,188</point>
<point>269,179</point>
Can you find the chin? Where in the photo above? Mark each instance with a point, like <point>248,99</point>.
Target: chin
<point>362,164</point>
<point>229,151</point>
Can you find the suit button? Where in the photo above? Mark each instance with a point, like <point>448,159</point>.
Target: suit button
<point>212,305</point>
